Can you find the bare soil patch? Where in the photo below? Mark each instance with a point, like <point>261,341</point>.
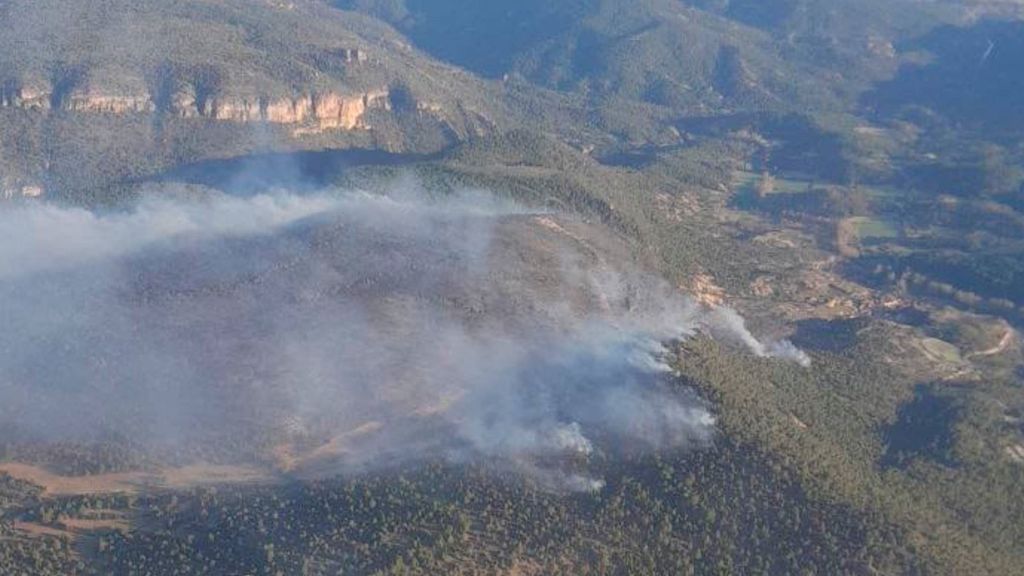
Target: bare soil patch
<point>132,482</point>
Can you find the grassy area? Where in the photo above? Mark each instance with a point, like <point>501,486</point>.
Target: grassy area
<point>875,228</point>
<point>751,182</point>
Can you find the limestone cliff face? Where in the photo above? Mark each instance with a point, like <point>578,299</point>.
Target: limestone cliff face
<point>25,97</point>
<point>289,110</point>
<point>232,109</point>
<point>310,113</point>
<point>337,111</point>
<point>323,111</point>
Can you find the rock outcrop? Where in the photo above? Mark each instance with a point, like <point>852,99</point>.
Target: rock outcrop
<point>25,97</point>
<point>316,112</point>
<point>310,113</point>
<point>336,111</point>
<point>352,55</point>
<point>10,191</point>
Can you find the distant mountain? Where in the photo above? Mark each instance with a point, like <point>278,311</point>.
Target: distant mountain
<point>970,76</point>
<point>94,93</point>
<point>692,56</point>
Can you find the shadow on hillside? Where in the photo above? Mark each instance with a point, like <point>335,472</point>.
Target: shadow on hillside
<point>974,77</point>
<point>308,170</point>
<point>923,430</point>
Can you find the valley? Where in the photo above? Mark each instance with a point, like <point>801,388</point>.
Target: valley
<point>440,286</point>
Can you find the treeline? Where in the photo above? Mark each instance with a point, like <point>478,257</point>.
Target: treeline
<point>729,510</point>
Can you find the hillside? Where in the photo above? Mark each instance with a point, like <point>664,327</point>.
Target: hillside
<point>97,92</point>
<point>689,56</point>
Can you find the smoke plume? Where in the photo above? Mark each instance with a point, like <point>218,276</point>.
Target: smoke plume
<point>344,331</point>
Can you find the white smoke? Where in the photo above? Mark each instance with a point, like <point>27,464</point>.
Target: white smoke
<point>725,323</point>
<point>570,438</point>
<point>38,237</point>
<point>350,330</point>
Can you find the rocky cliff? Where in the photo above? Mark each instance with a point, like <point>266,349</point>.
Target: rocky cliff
<point>310,113</point>
<point>12,191</point>
<point>99,92</point>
